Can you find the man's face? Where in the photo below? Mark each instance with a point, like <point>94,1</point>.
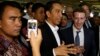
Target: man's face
<point>64,21</point>
<point>69,12</point>
<point>79,19</point>
<point>10,24</point>
<point>86,9</point>
<point>55,14</point>
<point>40,14</point>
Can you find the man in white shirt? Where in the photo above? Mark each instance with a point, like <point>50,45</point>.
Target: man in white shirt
<point>51,43</point>
<point>84,37</point>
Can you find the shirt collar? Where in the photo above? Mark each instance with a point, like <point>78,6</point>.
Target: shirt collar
<point>56,28</point>
<point>74,29</point>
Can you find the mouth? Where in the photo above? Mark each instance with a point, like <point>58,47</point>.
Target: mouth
<point>17,30</point>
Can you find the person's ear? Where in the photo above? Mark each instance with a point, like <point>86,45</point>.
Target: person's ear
<point>48,13</point>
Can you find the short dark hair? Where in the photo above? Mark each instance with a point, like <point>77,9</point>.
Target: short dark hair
<point>49,5</point>
<point>82,4</point>
<point>78,10</point>
<point>28,4</point>
<point>37,6</point>
<point>4,4</point>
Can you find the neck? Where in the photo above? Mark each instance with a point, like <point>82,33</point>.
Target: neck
<point>77,28</point>
<point>50,22</point>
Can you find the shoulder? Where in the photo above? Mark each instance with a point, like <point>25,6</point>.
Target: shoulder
<point>66,30</point>
<point>89,30</point>
<point>44,27</point>
<point>89,33</point>
<point>3,45</point>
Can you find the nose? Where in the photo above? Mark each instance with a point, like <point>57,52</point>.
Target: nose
<point>78,20</point>
<point>60,14</point>
<point>18,22</point>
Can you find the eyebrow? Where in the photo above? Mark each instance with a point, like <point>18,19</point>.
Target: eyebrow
<point>15,17</point>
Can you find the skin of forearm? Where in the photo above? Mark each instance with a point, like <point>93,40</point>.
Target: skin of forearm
<point>36,51</point>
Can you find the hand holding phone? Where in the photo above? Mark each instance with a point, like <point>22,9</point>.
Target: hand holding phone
<point>32,26</point>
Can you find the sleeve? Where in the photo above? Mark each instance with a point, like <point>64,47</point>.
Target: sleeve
<point>54,53</point>
<point>2,49</point>
<point>46,50</point>
<point>93,45</point>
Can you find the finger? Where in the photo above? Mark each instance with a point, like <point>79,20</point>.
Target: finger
<point>32,35</point>
<point>70,45</point>
<point>27,38</point>
<point>39,32</point>
<point>39,35</point>
<point>72,51</point>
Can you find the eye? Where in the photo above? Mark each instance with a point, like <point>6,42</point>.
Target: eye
<point>57,11</point>
<point>12,18</point>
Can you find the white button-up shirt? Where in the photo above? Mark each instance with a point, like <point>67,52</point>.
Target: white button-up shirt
<point>54,30</point>
<point>81,35</point>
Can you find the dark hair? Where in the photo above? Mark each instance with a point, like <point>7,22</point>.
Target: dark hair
<point>4,4</point>
<point>78,10</point>
<point>49,5</point>
<point>65,15</point>
<point>37,6</point>
<point>82,4</point>
<point>28,4</point>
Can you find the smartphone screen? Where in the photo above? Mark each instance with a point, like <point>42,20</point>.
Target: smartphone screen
<point>32,26</point>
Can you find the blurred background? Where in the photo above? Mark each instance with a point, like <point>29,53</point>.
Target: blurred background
<point>94,4</point>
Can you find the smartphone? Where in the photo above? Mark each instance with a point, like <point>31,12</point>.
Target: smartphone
<point>32,26</point>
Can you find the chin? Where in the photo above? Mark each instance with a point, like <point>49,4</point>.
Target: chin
<point>17,34</point>
<point>58,23</point>
<point>78,28</point>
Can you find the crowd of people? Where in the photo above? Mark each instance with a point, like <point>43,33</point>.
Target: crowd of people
<point>72,33</point>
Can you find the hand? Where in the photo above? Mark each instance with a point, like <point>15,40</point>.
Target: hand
<point>71,49</point>
<point>80,49</point>
<point>75,50</point>
<point>36,42</point>
<point>63,50</point>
